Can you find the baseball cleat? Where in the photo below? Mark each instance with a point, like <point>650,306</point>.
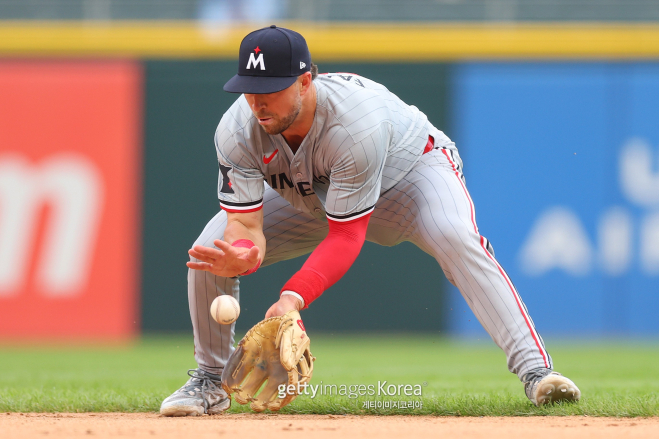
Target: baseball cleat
<point>544,386</point>
<point>202,394</point>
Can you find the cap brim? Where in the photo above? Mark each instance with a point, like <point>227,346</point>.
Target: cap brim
<point>258,84</point>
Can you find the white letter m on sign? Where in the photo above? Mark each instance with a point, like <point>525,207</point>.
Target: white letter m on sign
<point>256,61</point>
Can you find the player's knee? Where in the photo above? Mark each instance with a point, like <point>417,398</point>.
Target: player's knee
<point>457,234</point>
<point>450,243</point>
<point>207,241</point>
<point>213,230</point>
<point>488,245</point>
<point>449,276</point>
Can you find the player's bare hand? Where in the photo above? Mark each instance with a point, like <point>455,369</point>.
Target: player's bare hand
<point>225,260</point>
<point>283,305</point>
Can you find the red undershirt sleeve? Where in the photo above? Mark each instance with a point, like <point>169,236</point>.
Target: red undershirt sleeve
<point>330,260</point>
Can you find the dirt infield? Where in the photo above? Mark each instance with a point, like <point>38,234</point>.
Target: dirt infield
<point>246,426</point>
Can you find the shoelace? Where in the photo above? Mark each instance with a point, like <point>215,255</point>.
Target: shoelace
<point>206,384</point>
<point>536,374</point>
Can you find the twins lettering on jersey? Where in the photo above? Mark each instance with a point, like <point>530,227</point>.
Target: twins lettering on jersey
<point>281,181</point>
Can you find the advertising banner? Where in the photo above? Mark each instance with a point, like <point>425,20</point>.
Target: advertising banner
<point>562,161</point>
<point>69,192</point>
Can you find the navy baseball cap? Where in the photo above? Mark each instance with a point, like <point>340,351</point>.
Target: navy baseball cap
<point>270,60</point>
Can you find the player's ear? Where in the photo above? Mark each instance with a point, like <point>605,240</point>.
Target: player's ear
<point>305,82</point>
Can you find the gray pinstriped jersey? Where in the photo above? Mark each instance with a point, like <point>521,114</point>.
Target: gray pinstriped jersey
<point>362,142</point>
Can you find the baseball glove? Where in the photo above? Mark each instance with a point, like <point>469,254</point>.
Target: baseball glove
<point>275,350</point>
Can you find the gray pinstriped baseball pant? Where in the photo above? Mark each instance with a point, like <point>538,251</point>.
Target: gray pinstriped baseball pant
<point>431,208</point>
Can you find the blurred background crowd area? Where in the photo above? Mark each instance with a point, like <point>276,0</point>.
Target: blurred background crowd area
<point>330,10</point>
<point>108,171</point>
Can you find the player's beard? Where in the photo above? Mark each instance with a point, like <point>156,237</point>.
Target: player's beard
<point>284,123</point>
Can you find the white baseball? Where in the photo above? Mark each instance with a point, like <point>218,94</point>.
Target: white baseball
<point>225,309</point>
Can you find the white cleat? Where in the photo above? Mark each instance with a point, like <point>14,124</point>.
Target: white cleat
<point>202,394</point>
<point>543,386</point>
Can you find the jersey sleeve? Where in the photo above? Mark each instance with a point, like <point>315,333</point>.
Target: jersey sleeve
<point>356,177</point>
<point>240,181</point>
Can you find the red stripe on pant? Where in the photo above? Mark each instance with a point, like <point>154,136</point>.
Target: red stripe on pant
<point>503,273</point>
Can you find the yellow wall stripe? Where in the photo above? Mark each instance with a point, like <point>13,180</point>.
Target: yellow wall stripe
<point>338,41</point>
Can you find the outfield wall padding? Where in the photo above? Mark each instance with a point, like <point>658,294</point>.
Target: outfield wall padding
<point>399,288</point>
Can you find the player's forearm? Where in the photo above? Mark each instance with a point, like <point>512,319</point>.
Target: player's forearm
<point>330,260</point>
<point>236,231</point>
<point>245,228</point>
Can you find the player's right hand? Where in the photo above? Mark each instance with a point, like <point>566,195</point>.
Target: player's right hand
<point>225,260</point>
<point>284,305</point>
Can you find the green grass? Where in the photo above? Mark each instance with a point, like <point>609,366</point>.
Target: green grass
<point>456,378</point>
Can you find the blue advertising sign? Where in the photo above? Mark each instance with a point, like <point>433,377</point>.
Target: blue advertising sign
<point>562,162</point>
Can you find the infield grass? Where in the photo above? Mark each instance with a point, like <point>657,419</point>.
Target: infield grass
<point>455,377</point>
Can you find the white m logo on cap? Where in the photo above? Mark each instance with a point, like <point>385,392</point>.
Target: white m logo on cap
<point>255,61</point>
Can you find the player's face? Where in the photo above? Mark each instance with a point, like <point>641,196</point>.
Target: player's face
<point>276,112</point>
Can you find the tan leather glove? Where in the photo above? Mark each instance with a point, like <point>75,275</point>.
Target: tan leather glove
<point>275,350</point>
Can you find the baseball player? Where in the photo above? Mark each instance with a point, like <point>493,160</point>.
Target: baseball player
<point>318,164</point>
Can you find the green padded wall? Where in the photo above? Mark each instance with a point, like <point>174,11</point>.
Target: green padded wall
<point>398,288</point>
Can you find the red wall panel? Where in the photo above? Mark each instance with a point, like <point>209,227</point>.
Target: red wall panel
<point>70,160</point>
